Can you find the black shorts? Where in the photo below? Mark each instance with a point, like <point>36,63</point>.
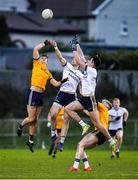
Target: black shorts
<point>59,131</point>
<point>113,132</point>
<point>64,98</point>
<point>100,136</point>
<point>34,98</point>
<point>89,103</point>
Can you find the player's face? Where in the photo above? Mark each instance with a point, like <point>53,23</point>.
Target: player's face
<point>116,103</point>
<point>44,59</point>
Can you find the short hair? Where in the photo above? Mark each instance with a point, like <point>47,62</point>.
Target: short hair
<point>97,60</point>
<point>108,102</point>
<point>116,99</point>
<point>45,55</point>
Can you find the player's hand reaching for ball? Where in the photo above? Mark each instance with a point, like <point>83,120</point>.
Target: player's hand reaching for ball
<point>46,42</point>
<point>53,43</point>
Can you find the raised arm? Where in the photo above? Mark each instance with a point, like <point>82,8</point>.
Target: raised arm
<point>56,83</point>
<point>61,59</point>
<point>36,50</point>
<point>79,59</point>
<point>79,50</point>
<point>78,53</point>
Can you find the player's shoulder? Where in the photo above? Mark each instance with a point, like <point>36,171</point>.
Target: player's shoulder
<point>36,61</point>
<point>111,110</point>
<point>100,104</point>
<point>123,109</point>
<point>92,70</point>
<point>68,65</point>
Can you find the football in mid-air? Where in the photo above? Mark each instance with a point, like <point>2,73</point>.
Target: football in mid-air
<point>47,14</point>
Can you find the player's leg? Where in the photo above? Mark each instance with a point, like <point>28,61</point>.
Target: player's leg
<point>94,116</point>
<point>119,137</point>
<point>113,134</point>
<point>56,143</point>
<point>71,111</point>
<point>89,140</point>
<point>97,138</point>
<point>54,112</point>
<point>64,132</point>
<point>28,120</point>
<point>86,162</point>
<point>32,129</point>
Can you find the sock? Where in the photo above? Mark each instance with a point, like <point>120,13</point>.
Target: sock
<point>76,163</point>
<point>82,123</point>
<point>62,139</point>
<point>53,132</point>
<point>117,150</point>
<point>110,139</point>
<point>86,163</point>
<point>31,138</point>
<point>20,126</point>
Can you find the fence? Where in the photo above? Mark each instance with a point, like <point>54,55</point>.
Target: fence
<point>9,139</point>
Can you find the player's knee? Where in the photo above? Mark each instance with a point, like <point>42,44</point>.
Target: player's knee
<point>53,116</point>
<point>95,123</point>
<point>32,120</point>
<point>67,110</point>
<point>119,138</point>
<point>66,121</point>
<point>80,146</point>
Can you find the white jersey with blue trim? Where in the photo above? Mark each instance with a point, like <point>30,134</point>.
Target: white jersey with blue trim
<point>114,125</point>
<point>74,76</point>
<point>88,82</point>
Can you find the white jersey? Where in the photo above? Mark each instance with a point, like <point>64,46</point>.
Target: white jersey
<point>114,125</point>
<point>74,76</point>
<point>88,82</point>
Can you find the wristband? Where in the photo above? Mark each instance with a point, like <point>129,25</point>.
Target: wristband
<point>46,42</point>
<point>55,47</point>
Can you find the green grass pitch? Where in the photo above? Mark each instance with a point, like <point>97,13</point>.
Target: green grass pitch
<point>22,164</point>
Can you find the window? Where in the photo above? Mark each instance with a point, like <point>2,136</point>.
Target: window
<point>124,28</point>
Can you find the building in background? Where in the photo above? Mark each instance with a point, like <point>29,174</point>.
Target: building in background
<point>116,23</point>
<point>27,27</point>
<point>106,22</point>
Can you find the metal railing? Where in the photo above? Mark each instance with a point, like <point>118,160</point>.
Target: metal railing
<point>9,138</point>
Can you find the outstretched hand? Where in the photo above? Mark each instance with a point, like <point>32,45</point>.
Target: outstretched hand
<point>46,42</point>
<point>53,43</point>
<point>74,42</point>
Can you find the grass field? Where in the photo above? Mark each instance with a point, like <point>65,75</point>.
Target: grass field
<point>22,164</point>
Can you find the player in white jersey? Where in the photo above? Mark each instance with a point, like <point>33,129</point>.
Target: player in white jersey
<point>87,100</point>
<point>117,119</point>
<point>67,90</point>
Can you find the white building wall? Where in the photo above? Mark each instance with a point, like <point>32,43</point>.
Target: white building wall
<point>18,5</point>
<point>109,21</point>
<point>91,28</point>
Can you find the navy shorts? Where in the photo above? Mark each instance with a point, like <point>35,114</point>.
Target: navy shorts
<point>89,103</point>
<point>100,136</point>
<point>34,98</point>
<point>64,98</point>
<point>113,132</point>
